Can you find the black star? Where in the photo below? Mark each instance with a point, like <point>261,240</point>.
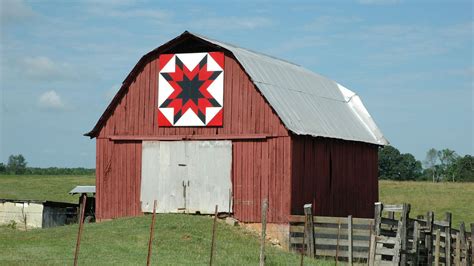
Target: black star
<point>190,89</point>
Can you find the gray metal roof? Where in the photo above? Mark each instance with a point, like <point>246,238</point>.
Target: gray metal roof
<point>306,102</point>
<point>82,189</point>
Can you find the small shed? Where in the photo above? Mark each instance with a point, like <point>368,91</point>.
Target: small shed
<point>199,122</point>
<point>28,214</point>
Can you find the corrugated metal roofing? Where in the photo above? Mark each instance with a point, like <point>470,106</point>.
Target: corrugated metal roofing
<point>306,102</point>
<point>82,189</point>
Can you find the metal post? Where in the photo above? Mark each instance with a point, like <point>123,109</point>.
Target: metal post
<point>264,231</point>
<point>152,230</point>
<point>79,233</point>
<point>213,236</point>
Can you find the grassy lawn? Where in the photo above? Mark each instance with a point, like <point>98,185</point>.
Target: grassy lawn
<point>457,198</point>
<point>182,239</point>
<point>179,239</point>
<point>42,187</point>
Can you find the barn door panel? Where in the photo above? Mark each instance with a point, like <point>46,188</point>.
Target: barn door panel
<point>190,176</point>
<point>162,178</point>
<point>209,174</point>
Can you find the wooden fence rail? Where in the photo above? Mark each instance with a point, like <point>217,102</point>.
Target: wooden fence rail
<point>392,237</point>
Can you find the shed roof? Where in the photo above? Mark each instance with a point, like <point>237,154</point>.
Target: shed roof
<point>82,189</point>
<point>306,102</point>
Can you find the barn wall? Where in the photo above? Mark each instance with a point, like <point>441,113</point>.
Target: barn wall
<point>246,113</point>
<point>245,109</point>
<point>261,169</point>
<point>338,177</point>
<point>118,174</point>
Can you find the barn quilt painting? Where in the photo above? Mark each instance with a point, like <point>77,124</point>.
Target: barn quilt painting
<point>191,89</point>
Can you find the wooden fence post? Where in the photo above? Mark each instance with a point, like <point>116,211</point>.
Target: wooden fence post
<point>472,243</point>
<point>303,250</point>
<point>264,231</point>
<point>372,244</point>
<point>404,232</point>
<point>416,239</point>
<point>438,240</point>
<point>398,246</point>
<point>152,230</point>
<point>79,233</point>
<point>429,237</point>
<point>349,239</point>
<point>378,217</point>
<point>213,240</point>
<point>448,239</point>
<point>337,241</point>
<point>457,252</point>
<point>308,212</point>
<point>464,244</point>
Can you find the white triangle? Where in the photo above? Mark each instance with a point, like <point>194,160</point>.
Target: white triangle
<point>211,113</point>
<point>170,66</point>
<point>189,119</point>
<point>191,60</point>
<point>164,89</point>
<point>168,113</point>
<point>216,89</point>
<point>212,65</point>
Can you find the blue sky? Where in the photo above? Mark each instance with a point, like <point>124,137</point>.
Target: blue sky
<point>62,61</point>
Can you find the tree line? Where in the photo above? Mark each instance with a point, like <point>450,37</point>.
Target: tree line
<point>439,165</point>
<point>442,165</point>
<point>17,165</point>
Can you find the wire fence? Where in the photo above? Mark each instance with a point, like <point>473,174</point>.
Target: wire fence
<point>176,240</point>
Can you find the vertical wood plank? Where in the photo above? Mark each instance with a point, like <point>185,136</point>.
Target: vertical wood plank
<point>349,238</point>
<point>457,255</point>
<point>448,239</point>
<point>309,229</point>
<point>437,247</point>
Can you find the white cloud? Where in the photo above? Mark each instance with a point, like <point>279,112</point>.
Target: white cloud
<point>42,67</point>
<point>12,11</point>
<point>110,93</point>
<point>50,100</point>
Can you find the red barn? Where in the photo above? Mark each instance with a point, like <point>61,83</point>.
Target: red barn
<point>199,122</point>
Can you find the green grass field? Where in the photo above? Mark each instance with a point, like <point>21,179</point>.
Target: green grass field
<point>42,187</point>
<point>179,239</point>
<point>182,239</point>
<point>457,198</point>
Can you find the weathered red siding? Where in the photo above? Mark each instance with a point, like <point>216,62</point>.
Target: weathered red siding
<point>118,175</point>
<point>338,177</point>
<point>260,167</point>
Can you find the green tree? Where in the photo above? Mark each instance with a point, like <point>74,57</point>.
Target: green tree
<point>396,166</point>
<point>409,167</point>
<point>16,164</point>
<point>464,168</point>
<point>431,162</point>
<point>3,168</point>
<point>447,159</point>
